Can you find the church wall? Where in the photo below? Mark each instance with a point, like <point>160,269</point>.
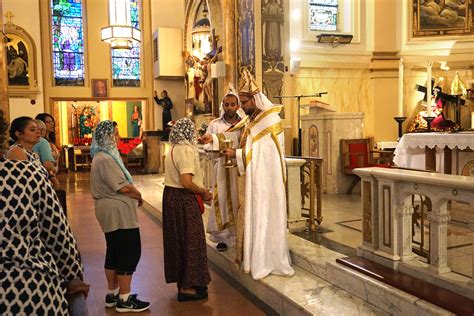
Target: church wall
<point>349,90</point>
<point>98,59</point>
<point>170,14</point>
<point>382,34</point>
<point>28,19</point>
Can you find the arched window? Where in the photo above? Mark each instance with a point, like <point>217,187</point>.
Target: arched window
<point>68,42</point>
<point>323,15</point>
<point>126,62</point>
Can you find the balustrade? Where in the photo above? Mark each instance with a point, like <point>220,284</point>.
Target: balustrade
<point>387,210</point>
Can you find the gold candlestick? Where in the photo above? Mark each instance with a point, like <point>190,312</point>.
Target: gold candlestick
<point>227,144</point>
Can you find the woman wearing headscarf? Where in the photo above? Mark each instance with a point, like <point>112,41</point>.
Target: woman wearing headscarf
<point>116,202</point>
<point>184,241</point>
<point>40,262</point>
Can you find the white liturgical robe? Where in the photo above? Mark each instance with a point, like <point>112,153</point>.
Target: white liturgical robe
<point>261,158</point>
<point>225,204</point>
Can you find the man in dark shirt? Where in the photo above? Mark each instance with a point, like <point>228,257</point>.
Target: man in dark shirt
<point>167,106</point>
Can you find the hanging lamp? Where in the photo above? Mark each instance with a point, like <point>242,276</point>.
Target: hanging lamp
<point>120,33</point>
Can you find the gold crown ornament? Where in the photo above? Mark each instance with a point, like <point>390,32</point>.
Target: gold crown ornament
<point>247,84</point>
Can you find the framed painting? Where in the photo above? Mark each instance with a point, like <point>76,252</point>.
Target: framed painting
<point>20,62</point>
<point>100,88</point>
<point>436,18</point>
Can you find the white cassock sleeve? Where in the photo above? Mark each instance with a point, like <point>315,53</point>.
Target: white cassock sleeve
<point>239,155</point>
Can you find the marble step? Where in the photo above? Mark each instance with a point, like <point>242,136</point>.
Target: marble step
<point>320,261</point>
<point>385,297</point>
<point>302,294</point>
<point>318,286</point>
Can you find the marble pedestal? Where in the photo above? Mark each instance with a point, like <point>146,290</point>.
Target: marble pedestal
<point>295,221</point>
<point>321,134</point>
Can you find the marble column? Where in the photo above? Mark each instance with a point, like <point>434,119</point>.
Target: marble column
<point>3,70</point>
<point>471,227</point>
<point>229,43</point>
<point>405,212</point>
<point>439,242</point>
<point>295,221</point>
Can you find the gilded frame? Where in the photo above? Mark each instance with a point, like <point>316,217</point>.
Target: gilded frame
<point>433,19</point>
<point>18,35</point>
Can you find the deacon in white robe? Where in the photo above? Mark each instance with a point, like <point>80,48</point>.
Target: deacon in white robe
<point>263,250</point>
<point>225,204</point>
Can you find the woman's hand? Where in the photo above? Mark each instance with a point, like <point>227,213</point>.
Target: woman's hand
<point>77,286</point>
<point>206,195</point>
<point>205,139</point>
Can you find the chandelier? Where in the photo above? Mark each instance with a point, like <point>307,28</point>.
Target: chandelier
<point>201,35</point>
<point>120,33</point>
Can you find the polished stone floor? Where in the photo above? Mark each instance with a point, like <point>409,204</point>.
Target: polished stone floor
<point>148,282</point>
<point>339,231</point>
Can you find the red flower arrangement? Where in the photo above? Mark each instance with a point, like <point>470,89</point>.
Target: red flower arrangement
<point>82,141</point>
<point>126,145</point>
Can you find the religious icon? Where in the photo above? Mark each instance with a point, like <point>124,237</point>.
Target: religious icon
<point>99,88</point>
<point>87,121</point>
<point>441,18</point>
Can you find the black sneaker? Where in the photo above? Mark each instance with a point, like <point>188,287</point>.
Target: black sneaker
<point>111,300</point>
<point>131,305</point>
<point>221,247</point>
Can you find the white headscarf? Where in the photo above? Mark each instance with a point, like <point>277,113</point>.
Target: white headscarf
<point>103,139</point>
<point>233,93</point>
<point>262,102</point>
<point>183,132</point>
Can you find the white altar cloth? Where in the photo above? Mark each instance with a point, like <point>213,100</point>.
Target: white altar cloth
<point>410,151</point>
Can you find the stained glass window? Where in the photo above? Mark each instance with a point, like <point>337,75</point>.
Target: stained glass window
<point>323,15</point>
<point>126,62</point>
<point>68,42</point>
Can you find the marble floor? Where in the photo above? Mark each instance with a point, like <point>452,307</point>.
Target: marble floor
<point>341,229</point>
<point>225,298</point>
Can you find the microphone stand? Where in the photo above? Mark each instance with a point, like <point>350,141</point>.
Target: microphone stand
<point>298,103</point>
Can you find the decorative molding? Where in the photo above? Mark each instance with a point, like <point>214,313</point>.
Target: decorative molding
<point>439,218</point>
<point>387,215</point>
<point>405,210</point>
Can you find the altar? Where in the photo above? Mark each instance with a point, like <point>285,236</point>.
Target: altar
<point>441,152</point>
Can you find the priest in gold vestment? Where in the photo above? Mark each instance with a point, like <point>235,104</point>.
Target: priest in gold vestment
<point>262,244</point>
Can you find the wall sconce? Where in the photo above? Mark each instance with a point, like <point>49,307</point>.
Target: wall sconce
<point>334,39</point>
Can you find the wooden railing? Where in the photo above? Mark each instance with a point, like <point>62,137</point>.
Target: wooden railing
<point>388,223</point>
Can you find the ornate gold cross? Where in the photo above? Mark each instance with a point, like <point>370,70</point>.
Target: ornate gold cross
<point>9,16</point>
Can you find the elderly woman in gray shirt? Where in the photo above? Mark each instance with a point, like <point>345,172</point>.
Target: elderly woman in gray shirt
<point>116,202</point>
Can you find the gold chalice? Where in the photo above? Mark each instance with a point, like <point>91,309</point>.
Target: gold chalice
<point>227,144</point>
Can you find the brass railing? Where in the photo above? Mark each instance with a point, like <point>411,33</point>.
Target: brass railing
<point>311,174</point>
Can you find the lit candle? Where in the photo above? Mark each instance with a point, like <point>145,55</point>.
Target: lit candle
<point>400,88</point>
<point>428,89</point>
